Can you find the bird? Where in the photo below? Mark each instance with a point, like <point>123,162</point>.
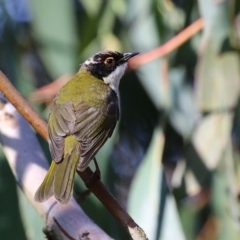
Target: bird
<point>82,117</point>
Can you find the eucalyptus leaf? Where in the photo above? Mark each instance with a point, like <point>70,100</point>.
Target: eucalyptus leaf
<point>211,137</point>
<point>56,34</point>
<point>144,196</point>
<point>218,81</point>
<point>218,70</point>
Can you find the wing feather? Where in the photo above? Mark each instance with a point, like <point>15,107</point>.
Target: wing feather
<point>90,126</point>
<point>88,150</point>
<point>60,124</point>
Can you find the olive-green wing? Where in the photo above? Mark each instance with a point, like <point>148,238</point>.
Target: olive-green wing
<point>60,124</point>
<point>90,126</point>
<point>93,131</point>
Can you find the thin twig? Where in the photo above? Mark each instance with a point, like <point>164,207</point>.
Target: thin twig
<point>98,189</point>
<point>168,47</point>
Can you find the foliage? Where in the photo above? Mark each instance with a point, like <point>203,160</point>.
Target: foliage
<point>181,110</point>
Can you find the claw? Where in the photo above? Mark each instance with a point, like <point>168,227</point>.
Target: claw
<point>95,176</point>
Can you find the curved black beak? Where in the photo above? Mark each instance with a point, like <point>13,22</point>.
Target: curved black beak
<point>127,56</point>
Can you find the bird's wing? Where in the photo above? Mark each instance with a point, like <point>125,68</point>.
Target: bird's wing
<point>90,126</point>
<point>93,131</point>
<point>60,124</point>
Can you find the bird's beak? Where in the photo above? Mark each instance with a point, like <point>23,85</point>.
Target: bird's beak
<point>127,56</point>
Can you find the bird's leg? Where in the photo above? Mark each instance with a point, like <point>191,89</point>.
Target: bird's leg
<point>95,176</point>
<point>97,171</point>
<point>80,196</point>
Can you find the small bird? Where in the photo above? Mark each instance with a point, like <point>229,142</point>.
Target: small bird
<point>82,117</point>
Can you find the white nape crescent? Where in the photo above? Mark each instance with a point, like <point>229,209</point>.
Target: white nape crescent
<point>113,79</point>
<point>90,61</point>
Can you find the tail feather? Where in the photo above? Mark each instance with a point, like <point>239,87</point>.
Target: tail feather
<point>69,186</point>
<point>60,176</point>
<point>45,190</point>
<point>65,173</point>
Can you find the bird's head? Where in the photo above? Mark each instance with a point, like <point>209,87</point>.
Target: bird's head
<point>108,66</point>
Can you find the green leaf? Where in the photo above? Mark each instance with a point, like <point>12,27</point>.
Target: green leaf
<point>211,137</point>
<point>218,82</point>
<point>141,23</point>
<point>56,34</point>
<point>144,194</point>
<point>32,221</point>
<point>218,70</point>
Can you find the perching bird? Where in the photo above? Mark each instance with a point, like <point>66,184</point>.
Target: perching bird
<point>82,117</point>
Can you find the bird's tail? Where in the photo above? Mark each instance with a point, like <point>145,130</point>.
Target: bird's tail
<point>45,190</point>
<point>60,176</point>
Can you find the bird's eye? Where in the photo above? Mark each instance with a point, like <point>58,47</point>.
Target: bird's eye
<point>108,60</point>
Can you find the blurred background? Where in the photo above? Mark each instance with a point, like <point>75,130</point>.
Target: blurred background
<point>173,161</point>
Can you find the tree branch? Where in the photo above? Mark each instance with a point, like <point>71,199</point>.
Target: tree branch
<point>168,47</point>
<point>97,188</point>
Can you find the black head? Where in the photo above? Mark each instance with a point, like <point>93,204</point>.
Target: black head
<point>104,63</point>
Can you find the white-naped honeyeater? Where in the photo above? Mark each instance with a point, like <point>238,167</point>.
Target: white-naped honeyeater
<point>82,117</point>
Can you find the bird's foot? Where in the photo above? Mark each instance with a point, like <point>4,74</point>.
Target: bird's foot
<point>95,176</point>
<point>80,196</point>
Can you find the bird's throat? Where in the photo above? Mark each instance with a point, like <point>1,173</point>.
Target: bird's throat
<point>114,78</point>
